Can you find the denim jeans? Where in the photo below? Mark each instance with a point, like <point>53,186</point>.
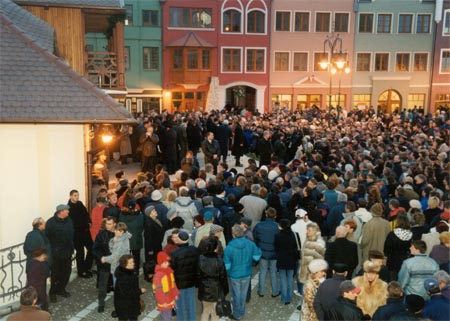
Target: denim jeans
<point>270,265</point>
<point>186,310</point>
<point>286,281</point>
<point>239,289</point>
<point>103,279</point>
<point>297,275</point>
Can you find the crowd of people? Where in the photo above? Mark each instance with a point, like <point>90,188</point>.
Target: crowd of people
<point>350,215</point>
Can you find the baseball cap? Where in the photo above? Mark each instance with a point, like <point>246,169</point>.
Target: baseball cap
<point>62,207</point>
<point>300,212</point>
<point>348,286</point>
<point>431,285</point>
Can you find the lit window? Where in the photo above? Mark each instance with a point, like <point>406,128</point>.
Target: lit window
<point>420,61</point>
<point>402,62</point>
<point>231,21</point>
<point>151,58</point>
<point>381,61</point>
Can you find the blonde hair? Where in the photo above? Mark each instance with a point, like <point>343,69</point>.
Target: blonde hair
<point>444,237</point>
<point>171,196</point>
<point>433,202</point>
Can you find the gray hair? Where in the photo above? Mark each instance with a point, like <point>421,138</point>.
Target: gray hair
<point>190,183</point>
<point>237,231</point>
<point>255,188</point>
<point>342,197</point>
<point>442,277</point>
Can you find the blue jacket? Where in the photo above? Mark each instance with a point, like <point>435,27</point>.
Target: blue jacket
<point>437,308</point>
<point>392,307</point>
<point>264,235</point>
<point>414,271</point>
<point>239,256</point>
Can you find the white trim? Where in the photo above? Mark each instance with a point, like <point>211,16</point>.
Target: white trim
<point>418,86</point>
<point>441,83</point>
<point>289,60</point>
<point>265,60</point>
<point>307,61</point>
<point>241,22</point>
<point>309,20</point>
<point>375,59</point>
<point>221,60</point>
<point>391,24</point>
<point>398,23</point>
<point>266,16</point>
<point>430,27</point>
<point>348,22</point>
<point>145,96</point>
<point>265,23</point>
<point>440,61</point>
<point>370,61</point>
<point>409,62</point>
<point>390,78</point>
<point>428,61</point>
<point>329,21</point>
<point>193,29</point>
<point>361,86</point>
<point>275,19</point>
<point>443,22</point>
<point>374,16</point>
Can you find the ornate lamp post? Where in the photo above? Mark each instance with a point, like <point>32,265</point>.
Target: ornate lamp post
<point>334,62</point>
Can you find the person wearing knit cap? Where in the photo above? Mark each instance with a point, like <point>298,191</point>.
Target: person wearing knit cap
<point>437,307</point>
<point>164,287</point>
<point>374,232</point>
<point>317,273</point>
<point>373,289</point>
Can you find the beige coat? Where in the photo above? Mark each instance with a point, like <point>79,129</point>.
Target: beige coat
<point>372,296</point>
<point>374,234</point>
<point>309,293</point>
<point>314,248</point>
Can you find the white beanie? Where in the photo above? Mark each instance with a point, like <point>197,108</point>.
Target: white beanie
<point>317,265</point>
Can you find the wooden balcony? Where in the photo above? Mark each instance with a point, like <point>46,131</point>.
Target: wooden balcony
<point>102,69</point>
<point>199,77</point>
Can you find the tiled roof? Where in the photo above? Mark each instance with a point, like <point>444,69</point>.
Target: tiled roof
<point>74,3</point>
<point>190,39</point>
<point>36,29</point>
<point>38,87</point>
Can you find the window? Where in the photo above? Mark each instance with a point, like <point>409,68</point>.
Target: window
<point>341,22</point>
<point>192,58</point>
<point>446,30</point>
<point>384,23</point>
<point>256,22</point>
<point>420,61</point>
<point>282,61</point>
<point>206,60</point>
<point>190,17</point>
<point>445,61</point>
<point>417,100</point>
<point>127,58</point>
<point>231,21</point>
<point>322,22</point>
<point>423,23</point>
<point>404,23</point>
<point>300,61</point>
<point>151,58</point>
<point>150,18</point>
<point>283,21</point>
<point>177,59</point>
<point>365,22</point>
<point>196,59</point>
<point>255,60</point>
<point>363,62</point>
<point>319,57</point>
<point>361,100</point>
<point>231,60</point>
<point>381,61</point>
<point>129,13</point>
<point>301,21</point>
<point>402,62</point>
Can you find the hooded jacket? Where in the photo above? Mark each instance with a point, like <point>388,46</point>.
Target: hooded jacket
<point>396,248</point>
<point>164,288</point>
<point>239,256</point>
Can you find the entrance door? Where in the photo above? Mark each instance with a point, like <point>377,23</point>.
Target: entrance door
<point>390,101</point>
<point>242,96</point>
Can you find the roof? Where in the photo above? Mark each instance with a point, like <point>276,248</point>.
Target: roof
<point>190,39</point>
<point>36,29</point>
<point>38,87</point>
<point>74,3</point>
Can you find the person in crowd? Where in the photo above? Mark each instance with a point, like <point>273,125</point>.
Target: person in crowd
<point>344,307</point>
<point>99,250</point>
<point>342,251</point>
<point>373,289</point>
<point>394,303</point>
<point>416,269</point>
<point>149,142</point>
<point>153,238</point>
<point>97,216</point>
<point>254,205</point>
<point>37,239</point>
<point>441,252</point>
<point>29,310</point>
<point>82,237</point>
<point>328,290</point>
<point>112,209</point>
<point>212,276</point>
<point>164,287</point>
<point>127,293</point>
<point>444,282</point>
<point>238,147</point>
<point>264,234</point>
<point>60,232</point>
<point>184,262</point>
<point>437,307</point>
<point>211,150</point>
<point>37,275</point>
<point>374,232</point>
<point>317,272</point>
<point>239,256</point>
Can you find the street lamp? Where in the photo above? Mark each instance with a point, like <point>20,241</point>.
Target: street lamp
<point>335,62</point>
<point>347,71</point>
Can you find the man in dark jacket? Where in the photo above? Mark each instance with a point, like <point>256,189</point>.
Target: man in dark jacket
<point>169,147</point>
<point>238,141</point>
<point>82,237</point>
<point>36,239</point>
<point>264,149</point>
<point>112,209</point>
<point>211,149</point>
<point>100,249</point>
<point>393,305</point>
<point>342,251</point>
<point>184,262</point>
<point>328,291</point>
<point>60,231</point>
<point>149,141</point>
<point>223,137</point>
<point>344,307</point>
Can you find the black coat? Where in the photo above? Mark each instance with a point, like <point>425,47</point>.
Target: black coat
<point>112,210</point>
<point>209,149</point>
<point>37,277</point>
<point>326,294</point>
<point>223,134</point>
<point>60,233</point>
<point>34,240</point>
<point>238,142</point>
<point>286,250</point>
<point>101,248</point>
<point>127,294</point>
<point>168,144</point>
<point>184,262</point>
<point>396,251</point>
<point>343,309</point>
<point>153,237</point>
<point>212,276</point>
<point>264,150</point>
<point>194,137</point>
<point>342,251</point>
<point>80,217</point>
<point>392,307</point>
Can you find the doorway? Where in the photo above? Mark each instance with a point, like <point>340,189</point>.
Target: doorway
<point>242,96</point>
<point>390,101</point>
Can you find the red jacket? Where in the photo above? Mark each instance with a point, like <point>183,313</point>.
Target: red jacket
<point>164,288</point>
<point>96,218</point>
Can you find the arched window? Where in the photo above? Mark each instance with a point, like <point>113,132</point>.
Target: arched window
<point>255,22</point>
<point>231,21</point>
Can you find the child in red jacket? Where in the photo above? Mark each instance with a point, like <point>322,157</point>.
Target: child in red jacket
<point>164,287</point>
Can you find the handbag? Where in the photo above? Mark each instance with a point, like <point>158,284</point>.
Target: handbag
<point>223,308</point>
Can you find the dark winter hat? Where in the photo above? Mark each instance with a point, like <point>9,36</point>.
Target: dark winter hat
<point>431,285</point>
<point>414,303</point>
<point>183,236</point>
<point>62,207</point>
<point>238,207</point>
<point>247,221</point>
<point>198,218</point>
<point>340,268</point>
<point>208,216</point>
<point>176,222</point>
<point>149,209</point>
<point>348,286</point>
<point>123,182</point>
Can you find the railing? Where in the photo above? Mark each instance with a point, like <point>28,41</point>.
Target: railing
<point>12,274</point>
<point>101,69</point>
